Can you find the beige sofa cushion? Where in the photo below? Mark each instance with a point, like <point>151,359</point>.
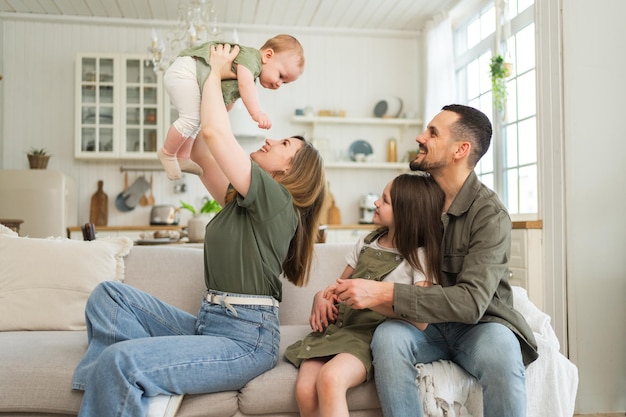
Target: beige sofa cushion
<point>45,283</point>
<point>36,377</point>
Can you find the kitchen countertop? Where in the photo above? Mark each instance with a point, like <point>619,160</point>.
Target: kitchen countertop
<point>526,224</point>
<point>146,228</point>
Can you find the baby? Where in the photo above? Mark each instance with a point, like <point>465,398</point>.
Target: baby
<point>279,61</point>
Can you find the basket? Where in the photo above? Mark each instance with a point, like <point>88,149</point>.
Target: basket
<point>38,161</point>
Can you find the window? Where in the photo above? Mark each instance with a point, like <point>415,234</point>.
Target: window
<point>510,165</point>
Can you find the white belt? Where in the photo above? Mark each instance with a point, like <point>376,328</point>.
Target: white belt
<point>231,299</point>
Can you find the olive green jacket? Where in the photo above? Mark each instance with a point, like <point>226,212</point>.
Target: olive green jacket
<point>474,287</point>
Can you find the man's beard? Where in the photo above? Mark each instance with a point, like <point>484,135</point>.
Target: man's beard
<point>415,165</point>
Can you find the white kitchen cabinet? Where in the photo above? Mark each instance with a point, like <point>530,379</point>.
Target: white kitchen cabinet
<point>334,135</point>
<point>119,107</point>
<point>525,263</point>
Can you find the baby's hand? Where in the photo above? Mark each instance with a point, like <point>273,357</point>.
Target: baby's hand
<point>262,119</point>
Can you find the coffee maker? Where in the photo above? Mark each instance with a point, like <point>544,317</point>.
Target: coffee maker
<point>367,208</point>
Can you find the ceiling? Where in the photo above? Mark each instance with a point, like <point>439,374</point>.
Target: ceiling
<point>395,15</point>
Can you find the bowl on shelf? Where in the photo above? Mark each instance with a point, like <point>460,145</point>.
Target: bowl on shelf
<point>360,150</point>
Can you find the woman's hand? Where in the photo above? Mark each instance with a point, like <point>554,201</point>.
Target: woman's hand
<point>221,59</point>
<point>323,312</point>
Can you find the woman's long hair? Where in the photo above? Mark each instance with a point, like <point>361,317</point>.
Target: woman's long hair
<point>306,181</point>
<point>417,203</point>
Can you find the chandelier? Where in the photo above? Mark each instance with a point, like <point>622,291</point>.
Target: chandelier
<point>197,24</point>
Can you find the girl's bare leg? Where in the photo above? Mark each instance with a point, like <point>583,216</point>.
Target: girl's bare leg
<point>342,372</point>
<point>306,392</point>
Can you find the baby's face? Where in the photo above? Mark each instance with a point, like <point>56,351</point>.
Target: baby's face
<point>279,69</point>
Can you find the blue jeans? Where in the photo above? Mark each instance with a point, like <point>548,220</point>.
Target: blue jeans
<point>140,347</point>
<point>488,351</point>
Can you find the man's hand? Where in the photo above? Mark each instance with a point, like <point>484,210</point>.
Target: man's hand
<point>361,293</point>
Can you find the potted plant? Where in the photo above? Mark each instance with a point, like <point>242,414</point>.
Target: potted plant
<point>499,70</point>
<point>38,158</point>
<point>201,217</point>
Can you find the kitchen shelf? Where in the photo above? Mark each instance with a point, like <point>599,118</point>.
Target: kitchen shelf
<point>399,125</point>
<point>399,122</point>
<point>402,166</point>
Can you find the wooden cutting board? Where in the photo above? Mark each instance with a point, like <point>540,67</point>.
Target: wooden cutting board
<point>99,213</point>
<point>334,215</point>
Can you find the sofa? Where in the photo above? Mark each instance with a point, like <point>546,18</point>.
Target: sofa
<point>37,362</point>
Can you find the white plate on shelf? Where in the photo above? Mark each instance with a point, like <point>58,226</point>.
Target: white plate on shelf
<point>360,147</point>
<point>388,107</point>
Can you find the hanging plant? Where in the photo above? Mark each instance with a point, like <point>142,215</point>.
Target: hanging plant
<point>499,70</point>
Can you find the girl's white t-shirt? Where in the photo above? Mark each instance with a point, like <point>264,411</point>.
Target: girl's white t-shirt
<point>403,274</point>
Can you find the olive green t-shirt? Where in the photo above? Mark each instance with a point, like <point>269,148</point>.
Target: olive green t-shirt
<point>246,243</point>
<point>247,56</point>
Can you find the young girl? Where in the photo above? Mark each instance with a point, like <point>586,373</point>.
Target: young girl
<point>404,248</point>
<point>141,348</point>
<point>279,61</point>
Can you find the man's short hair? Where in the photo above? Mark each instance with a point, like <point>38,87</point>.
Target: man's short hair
<point>474,126</point>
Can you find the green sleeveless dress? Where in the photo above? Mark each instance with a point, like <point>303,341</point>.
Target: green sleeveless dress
<point>353,330</point>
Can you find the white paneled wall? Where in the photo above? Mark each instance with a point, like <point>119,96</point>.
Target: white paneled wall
<point>346,71</point>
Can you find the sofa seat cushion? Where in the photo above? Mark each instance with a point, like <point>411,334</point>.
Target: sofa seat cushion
<point>219,404</point>
<point>273,392</point>
<point>36,377</point>
<point>36,371</point>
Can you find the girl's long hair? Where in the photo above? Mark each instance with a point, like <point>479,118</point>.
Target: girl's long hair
<point>417,203</point>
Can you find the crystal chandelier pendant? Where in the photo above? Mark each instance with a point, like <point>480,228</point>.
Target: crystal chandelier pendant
<point>197,24</point>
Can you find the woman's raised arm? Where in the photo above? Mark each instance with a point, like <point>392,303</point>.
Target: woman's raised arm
<point>216,133</point>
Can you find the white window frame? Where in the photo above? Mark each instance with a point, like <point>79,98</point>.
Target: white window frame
<point>495,173</point>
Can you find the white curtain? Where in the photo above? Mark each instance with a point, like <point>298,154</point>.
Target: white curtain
<point>440,78</point>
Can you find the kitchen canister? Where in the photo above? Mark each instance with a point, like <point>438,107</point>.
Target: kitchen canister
<point>196,226</point>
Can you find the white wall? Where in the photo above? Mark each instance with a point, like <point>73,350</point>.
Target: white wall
<point>344,70</point>
<point>594,92</point>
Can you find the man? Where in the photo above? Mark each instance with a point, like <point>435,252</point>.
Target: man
<point>471,315</point>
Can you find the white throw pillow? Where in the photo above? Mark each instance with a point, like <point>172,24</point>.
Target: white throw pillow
<point>45,283</point>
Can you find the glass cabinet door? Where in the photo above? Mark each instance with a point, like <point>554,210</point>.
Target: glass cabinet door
<point>119,107</point>
<point>142,103</point>
<point>96,99</point>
